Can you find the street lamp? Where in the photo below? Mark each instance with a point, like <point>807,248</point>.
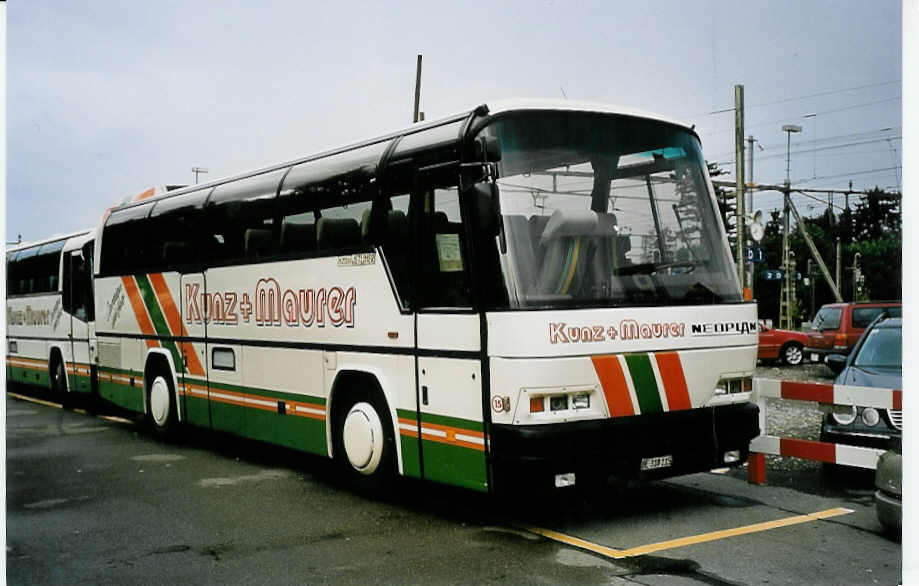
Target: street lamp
<point>789,128</point>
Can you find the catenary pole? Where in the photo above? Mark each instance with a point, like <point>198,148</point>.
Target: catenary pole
<point>417,89</point>
<point>739,188</point>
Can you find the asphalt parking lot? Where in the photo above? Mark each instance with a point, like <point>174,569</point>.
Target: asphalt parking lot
<point>95,499</point>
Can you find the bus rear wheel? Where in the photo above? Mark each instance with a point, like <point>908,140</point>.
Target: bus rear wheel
<point>161,406</point>
<point>363,443</point>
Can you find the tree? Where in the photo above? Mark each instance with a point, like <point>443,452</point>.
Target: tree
<point>871,228</point>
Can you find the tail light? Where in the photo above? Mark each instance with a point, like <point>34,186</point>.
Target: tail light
<point>841,341</point>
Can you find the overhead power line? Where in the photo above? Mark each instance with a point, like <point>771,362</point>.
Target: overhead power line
<point>834,110</point>
<point>823,148</point>
<point>797,98</point>
<point>865,172</point>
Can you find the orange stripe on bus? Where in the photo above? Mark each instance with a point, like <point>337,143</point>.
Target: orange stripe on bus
<point>671,369</point>
<point>146,194</point>
<point>140,312</point>
<point>240,400</point>
<point>175,322</point>
<point>450,437</point>
<point>612,379</point>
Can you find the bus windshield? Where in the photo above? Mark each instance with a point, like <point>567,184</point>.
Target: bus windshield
<point>607,210</point>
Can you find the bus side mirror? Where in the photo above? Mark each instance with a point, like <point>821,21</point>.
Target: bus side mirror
<point>486,208</point>
<point>488,149</point>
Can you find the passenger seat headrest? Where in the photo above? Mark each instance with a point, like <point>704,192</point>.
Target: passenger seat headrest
<point>338,233</point>
<point>569,223</point>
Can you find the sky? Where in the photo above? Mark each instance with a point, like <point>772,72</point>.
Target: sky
<point>106,99</point>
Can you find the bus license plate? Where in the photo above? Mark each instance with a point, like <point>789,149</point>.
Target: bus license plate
<point>815,358</point>
<point>656,463</point>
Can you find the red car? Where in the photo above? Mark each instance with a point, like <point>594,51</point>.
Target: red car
<point>783,345</point>
<point>838,326</point>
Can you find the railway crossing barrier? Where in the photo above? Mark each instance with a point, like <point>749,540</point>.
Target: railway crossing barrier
<point>826,395</point>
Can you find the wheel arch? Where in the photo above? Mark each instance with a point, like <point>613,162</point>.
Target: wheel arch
<point>156,358</point>
<point>369,380</point>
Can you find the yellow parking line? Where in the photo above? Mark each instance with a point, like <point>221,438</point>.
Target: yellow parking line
<point>58,406</point>
<point>577,542</point>
<point>33,400</point>
<point>116,419</point>
<point>692,540</point>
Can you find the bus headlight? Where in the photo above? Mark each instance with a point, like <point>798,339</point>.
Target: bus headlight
<point>558,402</point>
<point>734,385</point>
<point>580,401</point>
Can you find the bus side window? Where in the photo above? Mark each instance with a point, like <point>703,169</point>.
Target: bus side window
<point>445,278</point>
<point>176,231</point>
<point>325,203</point>
<point>126,241</point>
<point>395,238</point>
<point>241,219</point>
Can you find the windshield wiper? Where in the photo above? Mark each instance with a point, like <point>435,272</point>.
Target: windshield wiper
<point>650,267</point>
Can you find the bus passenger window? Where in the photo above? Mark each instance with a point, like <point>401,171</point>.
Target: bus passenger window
<point>343,227</point>
<point>325,203</point>
<point>241,219</point>
<point>396,242</point>
<point>446,282</point>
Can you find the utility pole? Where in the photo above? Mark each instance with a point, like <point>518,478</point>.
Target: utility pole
<point>738,171</point>
<point>197,171</point>
<point>838,263</point>
<point>415,117</point>
<point>785,303</point>
<point>750,207</point>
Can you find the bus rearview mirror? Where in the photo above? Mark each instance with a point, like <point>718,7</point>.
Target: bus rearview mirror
<point>488,149</point>
<point>486,203</point>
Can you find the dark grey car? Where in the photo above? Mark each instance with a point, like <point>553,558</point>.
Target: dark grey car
<point>876,361</point>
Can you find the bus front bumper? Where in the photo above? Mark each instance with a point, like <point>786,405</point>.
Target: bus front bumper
<point>646,447</point>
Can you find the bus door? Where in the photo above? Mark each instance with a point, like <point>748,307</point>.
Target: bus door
<point>78,305</point>
<point>448,340</point>
<point>194,373</point>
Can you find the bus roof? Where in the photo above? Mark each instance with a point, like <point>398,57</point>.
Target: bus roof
<point>48,240</point>
<point>500,106</point>
<point>488,109</point>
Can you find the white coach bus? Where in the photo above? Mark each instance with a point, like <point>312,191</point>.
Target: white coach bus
<point>537,290</point>
<point>49,313</point>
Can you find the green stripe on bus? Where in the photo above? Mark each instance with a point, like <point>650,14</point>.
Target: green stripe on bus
<point>649,399</point>
<point>113,370</point>
<point>159,320</point>
<point>450,421</point>
<point>455,465</point>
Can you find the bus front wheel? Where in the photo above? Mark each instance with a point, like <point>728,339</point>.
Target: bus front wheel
<point>161,407</point>
<point>364,444</point>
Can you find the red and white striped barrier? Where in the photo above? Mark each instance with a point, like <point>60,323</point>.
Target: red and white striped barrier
<point>810,450</point>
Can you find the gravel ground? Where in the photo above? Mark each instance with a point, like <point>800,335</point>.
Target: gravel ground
<point>795,419</point>
<point>801,419</point>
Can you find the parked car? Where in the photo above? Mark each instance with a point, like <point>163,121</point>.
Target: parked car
<point>888,499</point>
<point>837,327</point>
<point>876,361</point>
<point>784,345</point>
